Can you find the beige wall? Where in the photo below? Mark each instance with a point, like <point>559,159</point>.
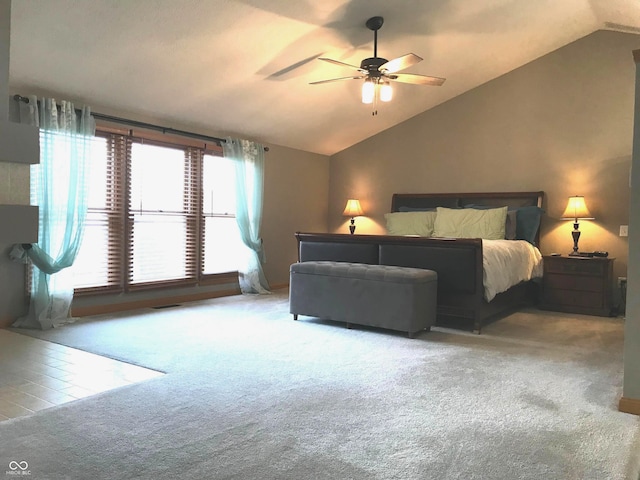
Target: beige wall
<point>561,124</point>
<point>296,195</point>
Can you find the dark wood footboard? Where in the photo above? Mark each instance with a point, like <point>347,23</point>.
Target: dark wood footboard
<point>458,263</point>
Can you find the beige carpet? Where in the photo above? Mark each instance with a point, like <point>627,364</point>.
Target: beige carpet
<point>251,394</point>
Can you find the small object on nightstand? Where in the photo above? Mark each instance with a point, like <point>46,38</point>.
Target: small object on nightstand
<point>555,254</point>
<point>592,254</point>
<point>578,284</point>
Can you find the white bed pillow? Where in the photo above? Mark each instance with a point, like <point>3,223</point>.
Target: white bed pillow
<point>470,223</point>
<point>410,223</point>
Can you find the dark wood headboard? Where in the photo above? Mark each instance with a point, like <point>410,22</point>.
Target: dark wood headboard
<point>459,200</point>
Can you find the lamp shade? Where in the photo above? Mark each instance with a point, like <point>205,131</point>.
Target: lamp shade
<point>577,209</point>
<point>353,208</point>
<point>368,91</point>
<point>386,92</point>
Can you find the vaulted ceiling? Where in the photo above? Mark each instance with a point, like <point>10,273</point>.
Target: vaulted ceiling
<point>243,67</point>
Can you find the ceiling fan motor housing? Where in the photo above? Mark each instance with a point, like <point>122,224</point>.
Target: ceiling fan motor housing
<point>372,64</point>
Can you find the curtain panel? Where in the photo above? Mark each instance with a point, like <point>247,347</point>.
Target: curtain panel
<point>59,188</point>
<point>248,158</point>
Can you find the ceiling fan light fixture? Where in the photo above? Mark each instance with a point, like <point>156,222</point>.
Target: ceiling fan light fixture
<point>386,92</point>
<point>368,91</point>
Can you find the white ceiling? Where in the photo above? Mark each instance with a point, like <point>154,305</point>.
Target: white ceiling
<point>243,67</point>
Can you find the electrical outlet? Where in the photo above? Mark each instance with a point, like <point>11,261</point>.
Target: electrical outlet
<point>624,230</point>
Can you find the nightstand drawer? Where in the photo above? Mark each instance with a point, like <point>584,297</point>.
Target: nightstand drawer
<point>573,282</point>
<point>577,285</point>
<point>573,298</point>
<point>574,266</point>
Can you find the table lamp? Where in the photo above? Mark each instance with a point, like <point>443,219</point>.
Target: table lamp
<point>353,209</point>
<point>576,210</point>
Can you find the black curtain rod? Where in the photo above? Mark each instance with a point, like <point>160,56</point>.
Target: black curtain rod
<point>150,126</point>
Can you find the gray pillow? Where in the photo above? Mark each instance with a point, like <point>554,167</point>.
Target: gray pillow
<point>510,225</point>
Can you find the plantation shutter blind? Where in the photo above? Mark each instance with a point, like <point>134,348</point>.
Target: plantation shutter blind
<point>193,209</point>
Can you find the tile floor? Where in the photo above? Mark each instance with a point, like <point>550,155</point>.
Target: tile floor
<point>36,374</point>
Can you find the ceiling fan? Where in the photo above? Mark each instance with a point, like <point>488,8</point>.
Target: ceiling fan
<point>378,72</point>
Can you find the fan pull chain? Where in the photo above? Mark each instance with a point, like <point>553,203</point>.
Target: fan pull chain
<point>374,104</point>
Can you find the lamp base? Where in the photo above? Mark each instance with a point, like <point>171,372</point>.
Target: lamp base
<point>352,227</point>
<point>575,234</point>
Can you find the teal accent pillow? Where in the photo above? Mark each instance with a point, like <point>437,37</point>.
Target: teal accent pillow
<point>528,223</point>
<point>471,223</point>
<point>410,223</point>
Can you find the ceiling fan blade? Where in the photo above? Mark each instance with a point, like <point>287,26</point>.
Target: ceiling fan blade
<point>337,79</point>
<point>342,64</point>
<point>416,79</point>
<point>400,63</point>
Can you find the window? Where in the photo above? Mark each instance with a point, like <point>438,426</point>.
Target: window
<point>222,237</point>
<point>160,213</point>
<point>99,264</point>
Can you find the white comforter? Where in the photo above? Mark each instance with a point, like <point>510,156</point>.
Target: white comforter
<point>507,263</point>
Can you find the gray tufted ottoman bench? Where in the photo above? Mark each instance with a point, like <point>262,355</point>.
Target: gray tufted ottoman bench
<point>397,298</point>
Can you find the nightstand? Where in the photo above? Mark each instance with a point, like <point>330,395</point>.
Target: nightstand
<point>577,285</point>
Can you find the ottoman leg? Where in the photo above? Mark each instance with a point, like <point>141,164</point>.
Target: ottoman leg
<point>295,316</point>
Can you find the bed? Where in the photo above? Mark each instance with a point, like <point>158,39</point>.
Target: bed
<point>465,298</point>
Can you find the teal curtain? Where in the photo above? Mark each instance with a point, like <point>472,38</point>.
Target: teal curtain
<point>58,187</point>
<point>248,158</point>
